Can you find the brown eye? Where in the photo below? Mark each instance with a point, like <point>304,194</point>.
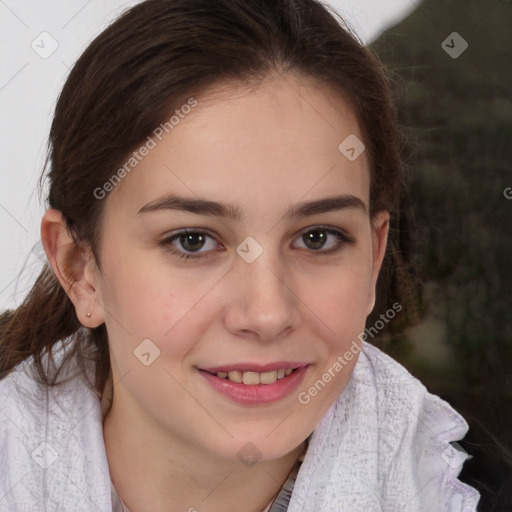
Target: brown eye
<point>314,239</point>
<point>189,244</point>
<point>324,240</point>
<point>192,241</point>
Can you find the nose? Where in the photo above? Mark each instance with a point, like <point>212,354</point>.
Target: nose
<point>263,305</point>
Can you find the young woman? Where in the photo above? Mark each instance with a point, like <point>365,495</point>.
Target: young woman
<point>222,179</point>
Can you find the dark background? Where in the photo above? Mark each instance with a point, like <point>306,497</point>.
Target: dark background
<point>456,114</point>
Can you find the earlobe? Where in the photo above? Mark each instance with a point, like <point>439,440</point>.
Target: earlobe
<point>380,231</point>
<point>74,268</point>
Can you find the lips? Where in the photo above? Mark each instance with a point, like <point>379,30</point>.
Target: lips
<point>253,374</point>
<point>256,384</point>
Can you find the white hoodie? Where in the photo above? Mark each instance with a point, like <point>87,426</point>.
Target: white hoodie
<point>384,445</point>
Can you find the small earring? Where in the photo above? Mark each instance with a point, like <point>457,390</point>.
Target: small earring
<point>88,315</point>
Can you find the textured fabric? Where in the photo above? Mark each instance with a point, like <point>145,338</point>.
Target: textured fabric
<point>382,446</point>
<point>52,453</point>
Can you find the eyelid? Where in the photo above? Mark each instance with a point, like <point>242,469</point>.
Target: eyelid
<point>330,229</point>
<point>343,237</point>
<point>168,239</point>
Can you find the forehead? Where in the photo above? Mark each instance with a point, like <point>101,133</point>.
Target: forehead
<point>279,140</point>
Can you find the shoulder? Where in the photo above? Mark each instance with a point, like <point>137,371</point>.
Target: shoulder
<point>377,367</point>
<point>23,394</point>
<point>385,444</point>
<point>417,431</point>
<point>403,401</point>
<point>401,395</point>
<point>50,439</point>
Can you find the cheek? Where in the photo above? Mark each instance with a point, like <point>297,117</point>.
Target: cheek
<point>137,293</point>
<point>342,293</point>
<point>145,300</point>
<point>341,304</point>
<point>148,298</point>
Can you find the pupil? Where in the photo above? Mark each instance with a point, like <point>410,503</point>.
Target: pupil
<point>192,241</point>
<point>316,239</point>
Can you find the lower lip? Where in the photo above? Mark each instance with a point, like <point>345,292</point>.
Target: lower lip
<point>257,393</point>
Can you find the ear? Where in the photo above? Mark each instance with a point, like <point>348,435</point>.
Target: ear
<point>380,231</point>
<point>74,267</point>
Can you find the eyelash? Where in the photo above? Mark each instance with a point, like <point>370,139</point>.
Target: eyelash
<point>343,240</point>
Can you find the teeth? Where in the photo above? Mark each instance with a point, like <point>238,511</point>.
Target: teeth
<point>235,377</point>
<point>253,378</point>
<point>268,377</point>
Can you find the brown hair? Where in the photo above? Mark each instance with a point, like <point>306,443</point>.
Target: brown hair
<point>126,83</point>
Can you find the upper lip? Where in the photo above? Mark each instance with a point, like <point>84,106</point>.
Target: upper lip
<point>255,367</point>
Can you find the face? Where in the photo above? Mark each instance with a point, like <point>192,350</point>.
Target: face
<point>271,277</point>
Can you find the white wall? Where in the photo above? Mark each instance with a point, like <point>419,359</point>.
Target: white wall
<point>31,77</point>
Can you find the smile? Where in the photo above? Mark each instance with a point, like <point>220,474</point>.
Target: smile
<point>256,385</point>
<point>254,378</point>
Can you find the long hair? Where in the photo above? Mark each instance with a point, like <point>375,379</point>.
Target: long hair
<point>130,80</point>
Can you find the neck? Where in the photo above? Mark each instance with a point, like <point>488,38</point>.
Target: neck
<point>167,474</point>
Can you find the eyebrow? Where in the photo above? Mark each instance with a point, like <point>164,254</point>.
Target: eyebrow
<point>205,207</point>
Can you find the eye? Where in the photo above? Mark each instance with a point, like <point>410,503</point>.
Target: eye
<point>191,243</point>
<point>324,240</point>
<point>188,242</point>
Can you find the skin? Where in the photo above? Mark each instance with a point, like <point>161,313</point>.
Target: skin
<point>171,440</point>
